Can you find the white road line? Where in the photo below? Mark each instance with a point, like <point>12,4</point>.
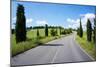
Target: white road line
<point>55,55</point>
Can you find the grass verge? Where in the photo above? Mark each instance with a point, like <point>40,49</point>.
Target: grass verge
<point>28,44</point>
<point>89,47</point>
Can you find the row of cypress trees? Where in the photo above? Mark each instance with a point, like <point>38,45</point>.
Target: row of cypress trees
<point>20,28</point>
<point>91,32</point>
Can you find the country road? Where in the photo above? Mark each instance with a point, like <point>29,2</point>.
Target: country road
<point>60,50</point>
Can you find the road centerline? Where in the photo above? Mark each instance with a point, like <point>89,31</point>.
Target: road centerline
<point>55,55</point>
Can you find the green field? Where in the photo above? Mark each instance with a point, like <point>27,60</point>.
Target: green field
<point>89,47</point>
<point>31,42</point>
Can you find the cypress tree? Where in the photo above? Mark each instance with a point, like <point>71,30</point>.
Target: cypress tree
<point>37,33</point>
<point>94,31</point>
<point>20,24</point>
<point>80,30</point>
<point>46,30</point>
<point>89,30</point>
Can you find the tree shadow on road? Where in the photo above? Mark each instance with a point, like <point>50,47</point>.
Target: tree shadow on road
<point>52,45</point>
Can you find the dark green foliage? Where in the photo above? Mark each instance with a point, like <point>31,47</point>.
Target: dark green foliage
<point>94,31</point>
<point>38,27</point>
<point>89,30</point>
<point>60,31</point>
<point>57,31</point>
<point>37,32</point>
<point>46,30</point>
<point>53,32</point>
<point>20,24</point>
<point>29,28</point>
<point>12,31</point>
<point>69,31</point>
<point>64,32</point>
<point>80,30</point>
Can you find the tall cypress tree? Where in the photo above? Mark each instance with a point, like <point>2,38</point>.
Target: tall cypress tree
<point>20,24</point>
<point>89,30</point>
<point>80,30</point>
<point>46,30</point>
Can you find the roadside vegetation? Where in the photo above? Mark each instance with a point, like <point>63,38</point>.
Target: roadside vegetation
<point>89,47</point>
<point>87,39</point>
<point>34,38</point>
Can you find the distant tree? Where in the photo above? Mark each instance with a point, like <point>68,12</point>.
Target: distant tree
<point>56,31</point>
<point>37,32</point>
<point>46,30</point>
<point>64,32</point>
<point>60,30</point>
<point>89,30</point>
<point>80,30</point>
<point>94,31</point>
<point>20,24</point>
<point>30,27</point>
<point>53,32</point>
<point>38,27</point>
<point>68,31</point>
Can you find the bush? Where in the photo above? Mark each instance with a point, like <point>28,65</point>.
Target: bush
<point>64,32</point>
<point>68,31</point>
<point>53,32</point>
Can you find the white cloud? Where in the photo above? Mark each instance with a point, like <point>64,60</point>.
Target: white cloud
<point>70,20</point>
<point>29,20</point>
<point>85,17</point>
<point>88,15</point>
<point>74,23</point>
<point>13,22</point>
<point>41,22</point>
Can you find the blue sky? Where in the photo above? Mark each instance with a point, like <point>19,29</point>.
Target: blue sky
<point>54,14</point>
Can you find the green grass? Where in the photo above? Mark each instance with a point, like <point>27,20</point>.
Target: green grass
<point>89,47</point>
<point>31,42</point>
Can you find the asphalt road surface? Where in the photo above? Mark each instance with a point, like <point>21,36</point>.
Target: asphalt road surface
<point>63,50</point>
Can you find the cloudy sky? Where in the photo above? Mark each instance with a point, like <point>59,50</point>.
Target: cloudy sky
<point>65,15</point>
